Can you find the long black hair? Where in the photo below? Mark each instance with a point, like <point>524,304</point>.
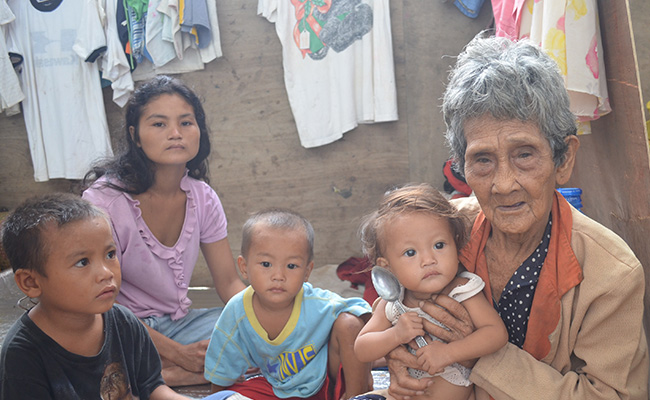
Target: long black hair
<point>131,171</point>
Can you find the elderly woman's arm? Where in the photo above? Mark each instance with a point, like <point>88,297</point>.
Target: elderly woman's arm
<point>607,343</point>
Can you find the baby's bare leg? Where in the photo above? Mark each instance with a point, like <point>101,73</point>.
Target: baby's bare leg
<point>440,389</point>
<point>358,378</point>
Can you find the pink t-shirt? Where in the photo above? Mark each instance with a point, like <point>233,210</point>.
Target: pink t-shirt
<point>507,17</point>
<point>155,278</point>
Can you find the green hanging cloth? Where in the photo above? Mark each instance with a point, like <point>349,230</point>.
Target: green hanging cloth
<point>139,6</point>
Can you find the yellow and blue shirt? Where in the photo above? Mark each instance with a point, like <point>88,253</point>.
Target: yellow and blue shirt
<point>295,362</point>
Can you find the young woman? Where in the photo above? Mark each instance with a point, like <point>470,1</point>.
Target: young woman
<point>163,211</point>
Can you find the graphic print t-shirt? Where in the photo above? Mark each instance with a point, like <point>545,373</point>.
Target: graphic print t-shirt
<point>34,366</point>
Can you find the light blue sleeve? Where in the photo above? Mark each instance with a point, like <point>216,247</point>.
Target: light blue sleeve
<point>337,304</point>
<point>356,306</point>
<point>227,358</point>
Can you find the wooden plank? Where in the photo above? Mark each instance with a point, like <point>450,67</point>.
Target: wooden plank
<point>613,168</point>
<point>16,171</point>
<point>640,16</point>
<point>257,160</point>
<point>435,32</point>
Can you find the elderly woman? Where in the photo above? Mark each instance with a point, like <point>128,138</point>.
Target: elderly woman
<point>569,290</point>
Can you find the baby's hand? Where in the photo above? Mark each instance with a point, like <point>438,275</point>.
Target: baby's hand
<point>434,357</point>
<point>409,325</point>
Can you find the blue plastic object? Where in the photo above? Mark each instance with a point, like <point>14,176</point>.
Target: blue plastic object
<point>470,8</point>
<point>573,196</point>
<point>224,394</point>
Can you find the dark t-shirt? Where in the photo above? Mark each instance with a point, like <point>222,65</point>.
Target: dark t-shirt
<point>34,366</point>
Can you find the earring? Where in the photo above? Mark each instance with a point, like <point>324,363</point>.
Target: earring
<point>26,303</point>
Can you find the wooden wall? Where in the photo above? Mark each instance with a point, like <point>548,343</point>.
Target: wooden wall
<point>257,160</point>
<point>612,164</point>
<point>640,17</point>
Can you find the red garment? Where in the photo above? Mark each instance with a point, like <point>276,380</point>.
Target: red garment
<point>560,272</point>
<point>507,17</point>
<point>259,388</point>
<point>461,187</point>
<point>357,271</point>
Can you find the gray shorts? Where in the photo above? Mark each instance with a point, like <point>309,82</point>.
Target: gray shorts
<point>197,325</point>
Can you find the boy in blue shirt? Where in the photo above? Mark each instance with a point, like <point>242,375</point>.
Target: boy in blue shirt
<point>74,344</point>
<point>300,337</point>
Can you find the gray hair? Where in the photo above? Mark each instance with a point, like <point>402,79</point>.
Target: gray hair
<point>277,218</point>
<point>509,80</point>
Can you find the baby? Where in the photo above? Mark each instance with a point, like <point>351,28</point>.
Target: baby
<point>416,234</point>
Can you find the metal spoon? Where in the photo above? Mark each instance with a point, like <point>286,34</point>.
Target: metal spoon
<point>388,288</point>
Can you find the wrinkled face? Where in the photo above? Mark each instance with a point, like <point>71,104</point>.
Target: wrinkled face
<point>419,249</point>
<point>168,131</point>
<point>83,273</point>
<point>276,266</point>
<point>509,166</point>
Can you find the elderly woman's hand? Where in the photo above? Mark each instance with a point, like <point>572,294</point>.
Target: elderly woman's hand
<point>402,385</point>
<point>450,313</point>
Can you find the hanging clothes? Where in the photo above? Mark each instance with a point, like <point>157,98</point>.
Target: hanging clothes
<point>172,50</point>
<point>139,7</point>
<point>569,32</point>
<point>113,63</point>
<point>213,48</point>
<point>10,92</point>
<point>191,62</point>
<point>136,25</point>
<point>338,64</point>
<point>162,51</point>
<point>63,107</point>
<point>172,25</point>
<point>195,21</point>
<point>507,17</point>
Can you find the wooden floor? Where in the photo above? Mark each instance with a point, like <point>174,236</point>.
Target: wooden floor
<point>194,392</point>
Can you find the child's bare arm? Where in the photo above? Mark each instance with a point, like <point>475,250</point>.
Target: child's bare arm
<point>379,336</point>
<point>164,392</point>
<point>490,335</point>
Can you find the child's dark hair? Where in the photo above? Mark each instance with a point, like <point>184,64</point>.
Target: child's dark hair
<point>22,229</point>
<point>131,168</point>
<point>277,218</point>
<point>411,198</point>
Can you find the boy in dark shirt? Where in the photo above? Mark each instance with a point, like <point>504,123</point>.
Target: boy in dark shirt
<point>75,343</point>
